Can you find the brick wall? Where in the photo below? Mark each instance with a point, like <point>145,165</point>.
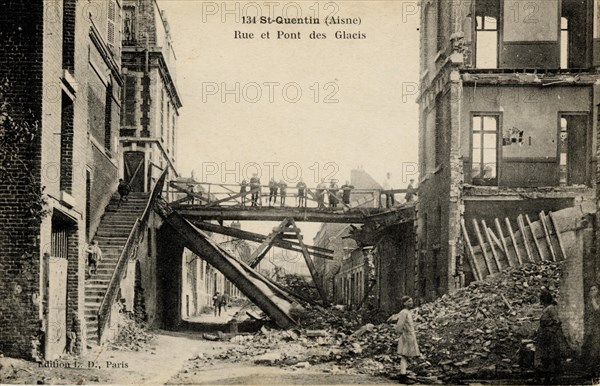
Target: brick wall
<point>69,13</point>
<point>21,47</point>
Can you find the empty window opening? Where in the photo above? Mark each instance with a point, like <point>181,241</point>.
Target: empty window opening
<point>487,15</point>
<point>484,154</point>
<point>572,149</point>
<point>66,143</point>
<point>574,25</point>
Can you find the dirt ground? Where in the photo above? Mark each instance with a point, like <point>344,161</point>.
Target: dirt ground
<point>167,359</point>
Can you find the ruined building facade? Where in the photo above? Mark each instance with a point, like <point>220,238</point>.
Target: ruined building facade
<point>61,85</point>
<point>508,125</point>
<point>151,101</point>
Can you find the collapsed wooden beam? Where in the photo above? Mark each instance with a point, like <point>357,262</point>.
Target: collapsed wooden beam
<point>513,240</point>
<point>471,253</point>
<point>320,252</point>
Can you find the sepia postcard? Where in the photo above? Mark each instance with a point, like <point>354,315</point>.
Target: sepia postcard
<point>273,192</point>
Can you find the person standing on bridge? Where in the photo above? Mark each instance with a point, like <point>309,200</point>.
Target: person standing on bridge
<point>255,188</point>
<point>387,187</point>
<point>346,190</point>
<point>410,191</point>
<point>321,194</point>
<point>283,192</point>
<point>243,190</point>
<point>272,191</point>
<point>333,191</point>
<point>301,193</point>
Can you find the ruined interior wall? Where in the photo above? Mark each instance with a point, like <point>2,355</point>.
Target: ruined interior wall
<point>535,111</point>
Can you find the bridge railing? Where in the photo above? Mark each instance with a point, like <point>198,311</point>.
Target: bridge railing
<point>225,195</point>
<point>128,253</point>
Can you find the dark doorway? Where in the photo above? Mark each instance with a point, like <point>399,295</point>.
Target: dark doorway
<point>573,149</point>
<point>134,170</point>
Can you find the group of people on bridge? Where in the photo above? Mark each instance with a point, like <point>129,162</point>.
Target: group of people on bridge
<point>334,193</point>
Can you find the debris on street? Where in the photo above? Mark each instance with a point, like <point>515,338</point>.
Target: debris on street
<point>132,336</point>
<point>482,331</point>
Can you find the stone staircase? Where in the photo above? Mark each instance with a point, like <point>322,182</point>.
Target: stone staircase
<point>114,229</point>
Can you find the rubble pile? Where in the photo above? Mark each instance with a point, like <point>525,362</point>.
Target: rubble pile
<point>333,319</point>
<point>480,329</point>
<point>132,336</point>
<point>476,332</point>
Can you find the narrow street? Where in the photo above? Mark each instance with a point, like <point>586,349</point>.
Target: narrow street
<point>169,359</point>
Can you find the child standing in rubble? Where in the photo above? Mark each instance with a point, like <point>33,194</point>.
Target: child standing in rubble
<point>407,342</point>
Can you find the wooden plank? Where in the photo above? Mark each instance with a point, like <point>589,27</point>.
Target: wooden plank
<point>187,191</point>
<point>489,240</point>
<point>521,223</point>
<point>257,237</point>
<point>543,221</point>
<point>234,197</point>
<point>513,240</point>
<point>535,240</point>
<point>503,241</point>
<point>260,252</point>
<point>310,264</point>
<point>497,241</point>
<point>558,237</point>
<point>471,253</point>
<point>482,246</point>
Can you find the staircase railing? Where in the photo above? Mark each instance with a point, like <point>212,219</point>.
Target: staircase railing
<point>128,252</point>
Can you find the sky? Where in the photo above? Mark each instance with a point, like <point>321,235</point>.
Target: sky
<point>319,107</point>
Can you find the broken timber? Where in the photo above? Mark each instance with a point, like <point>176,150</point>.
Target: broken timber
<point>205,213</point>
<point>543,235</point>
<point>284,243</point>
<point>288,225</point>
<point>272,300</point>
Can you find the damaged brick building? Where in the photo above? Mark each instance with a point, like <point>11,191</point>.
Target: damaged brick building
<point>79,111</point>
<point>508,133</point>
<point>61,84</point>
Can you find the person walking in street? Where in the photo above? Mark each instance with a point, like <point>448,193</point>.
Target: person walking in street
<point>320,193</point>
<point>123,189</point>
<point>272,191</point>
<point>387,186</point>
<point>94,255</point>
<point>333,191</point>
<point>282,191</point>
<point>301,186</point>
<point>346,190</point>
<point>225,301</point>
<point>243,190</point>
<point>407,342</point>
<point>217,303</point>
<point>549,339</point>
<point>410,191</point>
<point>255,188</point>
